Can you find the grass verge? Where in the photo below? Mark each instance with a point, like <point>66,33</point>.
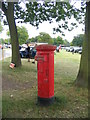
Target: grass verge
<point>19,93</point>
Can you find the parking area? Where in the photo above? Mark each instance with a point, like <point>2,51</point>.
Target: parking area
<point>73,49</point>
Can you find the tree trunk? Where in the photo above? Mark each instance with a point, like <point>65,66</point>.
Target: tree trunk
<point>84,73</point>
<point>13,34</point>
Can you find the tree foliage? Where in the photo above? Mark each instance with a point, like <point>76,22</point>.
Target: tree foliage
<point>66,43</point>
<point>36,12</point>
<point>22,35</point>
<point>1,41</point>
<point>58,41</point>
<point>44,37</point>
<point>33,39</point>
<point>8,41</point>
<point>78,40</point>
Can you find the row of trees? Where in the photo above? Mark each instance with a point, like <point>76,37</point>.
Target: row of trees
<point>78,40</point>
<point>43,37</point>
<point>59,40</point>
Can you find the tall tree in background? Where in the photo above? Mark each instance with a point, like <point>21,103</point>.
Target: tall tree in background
<point>66,43</point>
<point>78,40</point>
<point>44,37</point>
<point>58,41</point>
<point>22,35</point>
<point>84,72</point>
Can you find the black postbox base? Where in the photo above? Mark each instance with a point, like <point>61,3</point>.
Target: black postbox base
<point>46,101</point>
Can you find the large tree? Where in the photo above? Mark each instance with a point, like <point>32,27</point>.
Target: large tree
<point>36,13</point>
<point>58,41</point>
<point>84,72</point>
<point>44,37</point>
<point>8,10</point>
<point>78,40</point>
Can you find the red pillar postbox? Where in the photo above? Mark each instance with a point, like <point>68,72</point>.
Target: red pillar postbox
<point>45,73</point>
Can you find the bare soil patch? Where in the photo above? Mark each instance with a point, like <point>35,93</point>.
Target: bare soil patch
<point>10,84</point>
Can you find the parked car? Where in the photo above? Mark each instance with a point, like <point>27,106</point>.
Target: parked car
<point>23,52</point>
<point>77,49</point>
<point>71,49</point>
<point>74,49</point>
<point>9,45</point>
<point>67,49</point>
<point>57,49</point>
<point>5,45</point>
<point>80,51</point>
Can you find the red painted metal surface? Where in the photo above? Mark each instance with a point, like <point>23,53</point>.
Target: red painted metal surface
<point>45,68</point>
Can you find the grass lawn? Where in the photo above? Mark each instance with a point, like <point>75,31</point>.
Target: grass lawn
<point>19,90</point>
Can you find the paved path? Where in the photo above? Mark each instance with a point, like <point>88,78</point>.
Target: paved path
<point>5,53</point>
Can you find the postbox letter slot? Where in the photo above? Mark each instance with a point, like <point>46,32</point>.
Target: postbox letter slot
<point>39,57</point>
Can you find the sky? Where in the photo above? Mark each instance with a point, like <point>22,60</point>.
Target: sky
<point>48,28</point>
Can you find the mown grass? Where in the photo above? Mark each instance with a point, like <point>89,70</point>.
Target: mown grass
<point>71,101</point>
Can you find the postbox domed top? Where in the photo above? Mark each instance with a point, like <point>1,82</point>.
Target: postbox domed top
<point>46,47</point>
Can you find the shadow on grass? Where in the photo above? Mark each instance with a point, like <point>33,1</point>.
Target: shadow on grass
<point>18,108</point>
<point>59,101</point>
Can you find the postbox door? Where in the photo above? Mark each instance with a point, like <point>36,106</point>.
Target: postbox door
<point>51,74</point>
<point>43,78</point>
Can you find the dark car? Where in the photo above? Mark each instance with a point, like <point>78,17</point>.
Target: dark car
<point>67,49</point>
<point>71,49</point>
<point>23,52</point>
<point>78,49</point>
